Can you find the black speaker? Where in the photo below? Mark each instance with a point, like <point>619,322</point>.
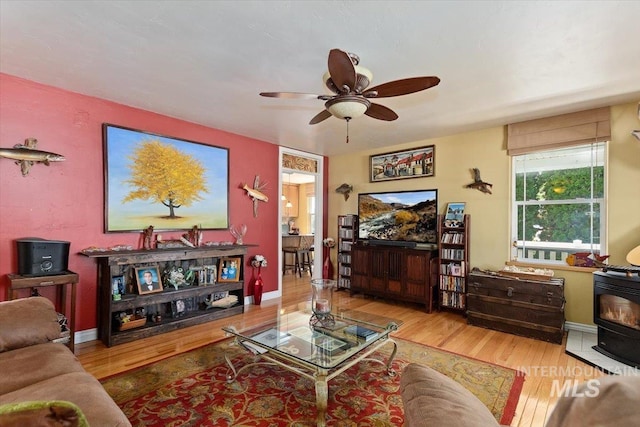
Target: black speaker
<point>40,257</point>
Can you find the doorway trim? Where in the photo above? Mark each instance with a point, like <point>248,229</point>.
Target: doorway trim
<point>319,207</point>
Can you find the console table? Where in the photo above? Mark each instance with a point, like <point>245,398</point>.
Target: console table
<point>19,283</point>
<point>173,308</point>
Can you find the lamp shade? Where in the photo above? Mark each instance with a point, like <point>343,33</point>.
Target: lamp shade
<point>347,106</point>
<point>633,257</point>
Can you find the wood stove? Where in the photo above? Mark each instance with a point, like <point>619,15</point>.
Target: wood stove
<point>616,312</point>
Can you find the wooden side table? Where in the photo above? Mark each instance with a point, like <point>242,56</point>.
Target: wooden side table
<point>19,283</point>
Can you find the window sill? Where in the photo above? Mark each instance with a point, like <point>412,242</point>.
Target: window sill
<point>561,267</point>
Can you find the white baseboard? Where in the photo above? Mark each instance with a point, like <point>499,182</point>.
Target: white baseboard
<point>591,329</point>
<point>248,300</point>
<point>86,335</point>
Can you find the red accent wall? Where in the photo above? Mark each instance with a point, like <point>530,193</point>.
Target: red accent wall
<point>64,201</point>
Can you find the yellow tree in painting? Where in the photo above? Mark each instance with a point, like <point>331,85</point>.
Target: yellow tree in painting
<point>163,174</point>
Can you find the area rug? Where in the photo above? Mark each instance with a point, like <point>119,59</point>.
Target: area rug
<point>190,389</point>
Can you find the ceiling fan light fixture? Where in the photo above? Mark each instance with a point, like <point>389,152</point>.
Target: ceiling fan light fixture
<point>347,107</point>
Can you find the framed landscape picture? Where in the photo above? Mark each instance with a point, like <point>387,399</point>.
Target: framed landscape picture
<point>413,163</point>
<point>170,183</point>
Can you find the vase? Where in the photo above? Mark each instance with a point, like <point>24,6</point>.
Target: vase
<point>327,267</point>
<point>257,289</point>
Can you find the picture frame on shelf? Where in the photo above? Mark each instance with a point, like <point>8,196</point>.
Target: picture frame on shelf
<point>454,215</point>
<point>178,308</point>
<point>208,274</point>
<point>133,191</point>
<point>456,270</point>
<point>118,285</point>
<point>229,269</point>
<point>148,280</point>
<point>413,163</point>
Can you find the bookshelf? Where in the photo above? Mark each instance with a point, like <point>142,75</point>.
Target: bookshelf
<point>347,233</point>
<point>453,263</point>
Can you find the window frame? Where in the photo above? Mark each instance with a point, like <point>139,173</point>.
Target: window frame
<point>557,250</point>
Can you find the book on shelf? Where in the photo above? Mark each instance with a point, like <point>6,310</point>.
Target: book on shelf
<point>361,332</point>
<point>346,220</point>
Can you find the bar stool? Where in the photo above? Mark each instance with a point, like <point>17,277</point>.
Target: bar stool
<point>290,252</point>
<point>304,256</point>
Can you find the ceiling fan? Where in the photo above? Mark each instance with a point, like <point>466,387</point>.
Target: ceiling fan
<point>349,82</point>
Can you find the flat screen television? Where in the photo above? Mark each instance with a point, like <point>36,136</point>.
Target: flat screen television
<point>404,218</point>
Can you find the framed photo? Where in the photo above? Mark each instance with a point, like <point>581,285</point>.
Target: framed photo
<point>413,163</point>
<point>229,269</point>
<point>140,187</point>
<point>117,287</point>
<point>454,215</point>
<point>178,308</point>
<point>207,274</point>
<point>456,270</point>
<point>148,279</point>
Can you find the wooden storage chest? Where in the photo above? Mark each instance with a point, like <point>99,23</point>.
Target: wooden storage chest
<point>530,308</point>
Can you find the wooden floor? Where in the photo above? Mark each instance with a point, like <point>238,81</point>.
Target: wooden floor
<point>545,362</point>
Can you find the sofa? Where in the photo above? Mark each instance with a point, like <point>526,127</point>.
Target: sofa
<point>433,399</point>
<point>41,380</point>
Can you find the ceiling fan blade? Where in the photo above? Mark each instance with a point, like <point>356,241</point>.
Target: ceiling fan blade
<point>291,95</point>
<point>342,70</point>
<point>381,112</point>
<point>402,87</point>
<point>322,115</point>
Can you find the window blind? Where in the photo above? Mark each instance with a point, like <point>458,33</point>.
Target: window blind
<point>565,130</point>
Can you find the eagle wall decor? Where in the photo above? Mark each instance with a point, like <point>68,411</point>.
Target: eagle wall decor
<point>345,189</point>
<point>478,183</point>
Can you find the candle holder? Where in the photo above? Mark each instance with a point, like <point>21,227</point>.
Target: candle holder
<point>322,293</point>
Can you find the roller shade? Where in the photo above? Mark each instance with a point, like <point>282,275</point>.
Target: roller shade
<point>549,133</point>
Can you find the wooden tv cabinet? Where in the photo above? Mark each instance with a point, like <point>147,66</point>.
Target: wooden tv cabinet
<point>190,299</point>
<point>395,273</point>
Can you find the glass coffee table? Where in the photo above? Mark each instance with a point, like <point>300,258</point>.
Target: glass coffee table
<point>318,349</point>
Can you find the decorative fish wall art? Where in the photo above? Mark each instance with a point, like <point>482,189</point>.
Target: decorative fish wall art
<point>26,155</point>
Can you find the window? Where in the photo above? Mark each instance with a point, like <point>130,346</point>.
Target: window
<point>558,203</point>
<point>311,208</point>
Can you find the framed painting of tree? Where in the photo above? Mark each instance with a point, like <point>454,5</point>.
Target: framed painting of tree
<point>169,183</point>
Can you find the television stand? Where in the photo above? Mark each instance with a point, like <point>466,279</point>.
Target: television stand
<point>394,272</point>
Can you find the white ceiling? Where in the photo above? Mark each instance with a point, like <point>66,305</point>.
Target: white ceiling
<point>206,61</point>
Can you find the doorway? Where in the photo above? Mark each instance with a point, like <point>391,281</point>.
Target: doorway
<point>301,203</point>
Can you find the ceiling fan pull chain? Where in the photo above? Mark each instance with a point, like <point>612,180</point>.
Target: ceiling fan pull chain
<point>347,130</point>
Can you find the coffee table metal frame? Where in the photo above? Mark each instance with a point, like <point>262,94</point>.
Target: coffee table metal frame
<point>319,373</point>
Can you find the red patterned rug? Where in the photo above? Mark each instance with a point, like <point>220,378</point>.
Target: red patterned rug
<point>190,389</point>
